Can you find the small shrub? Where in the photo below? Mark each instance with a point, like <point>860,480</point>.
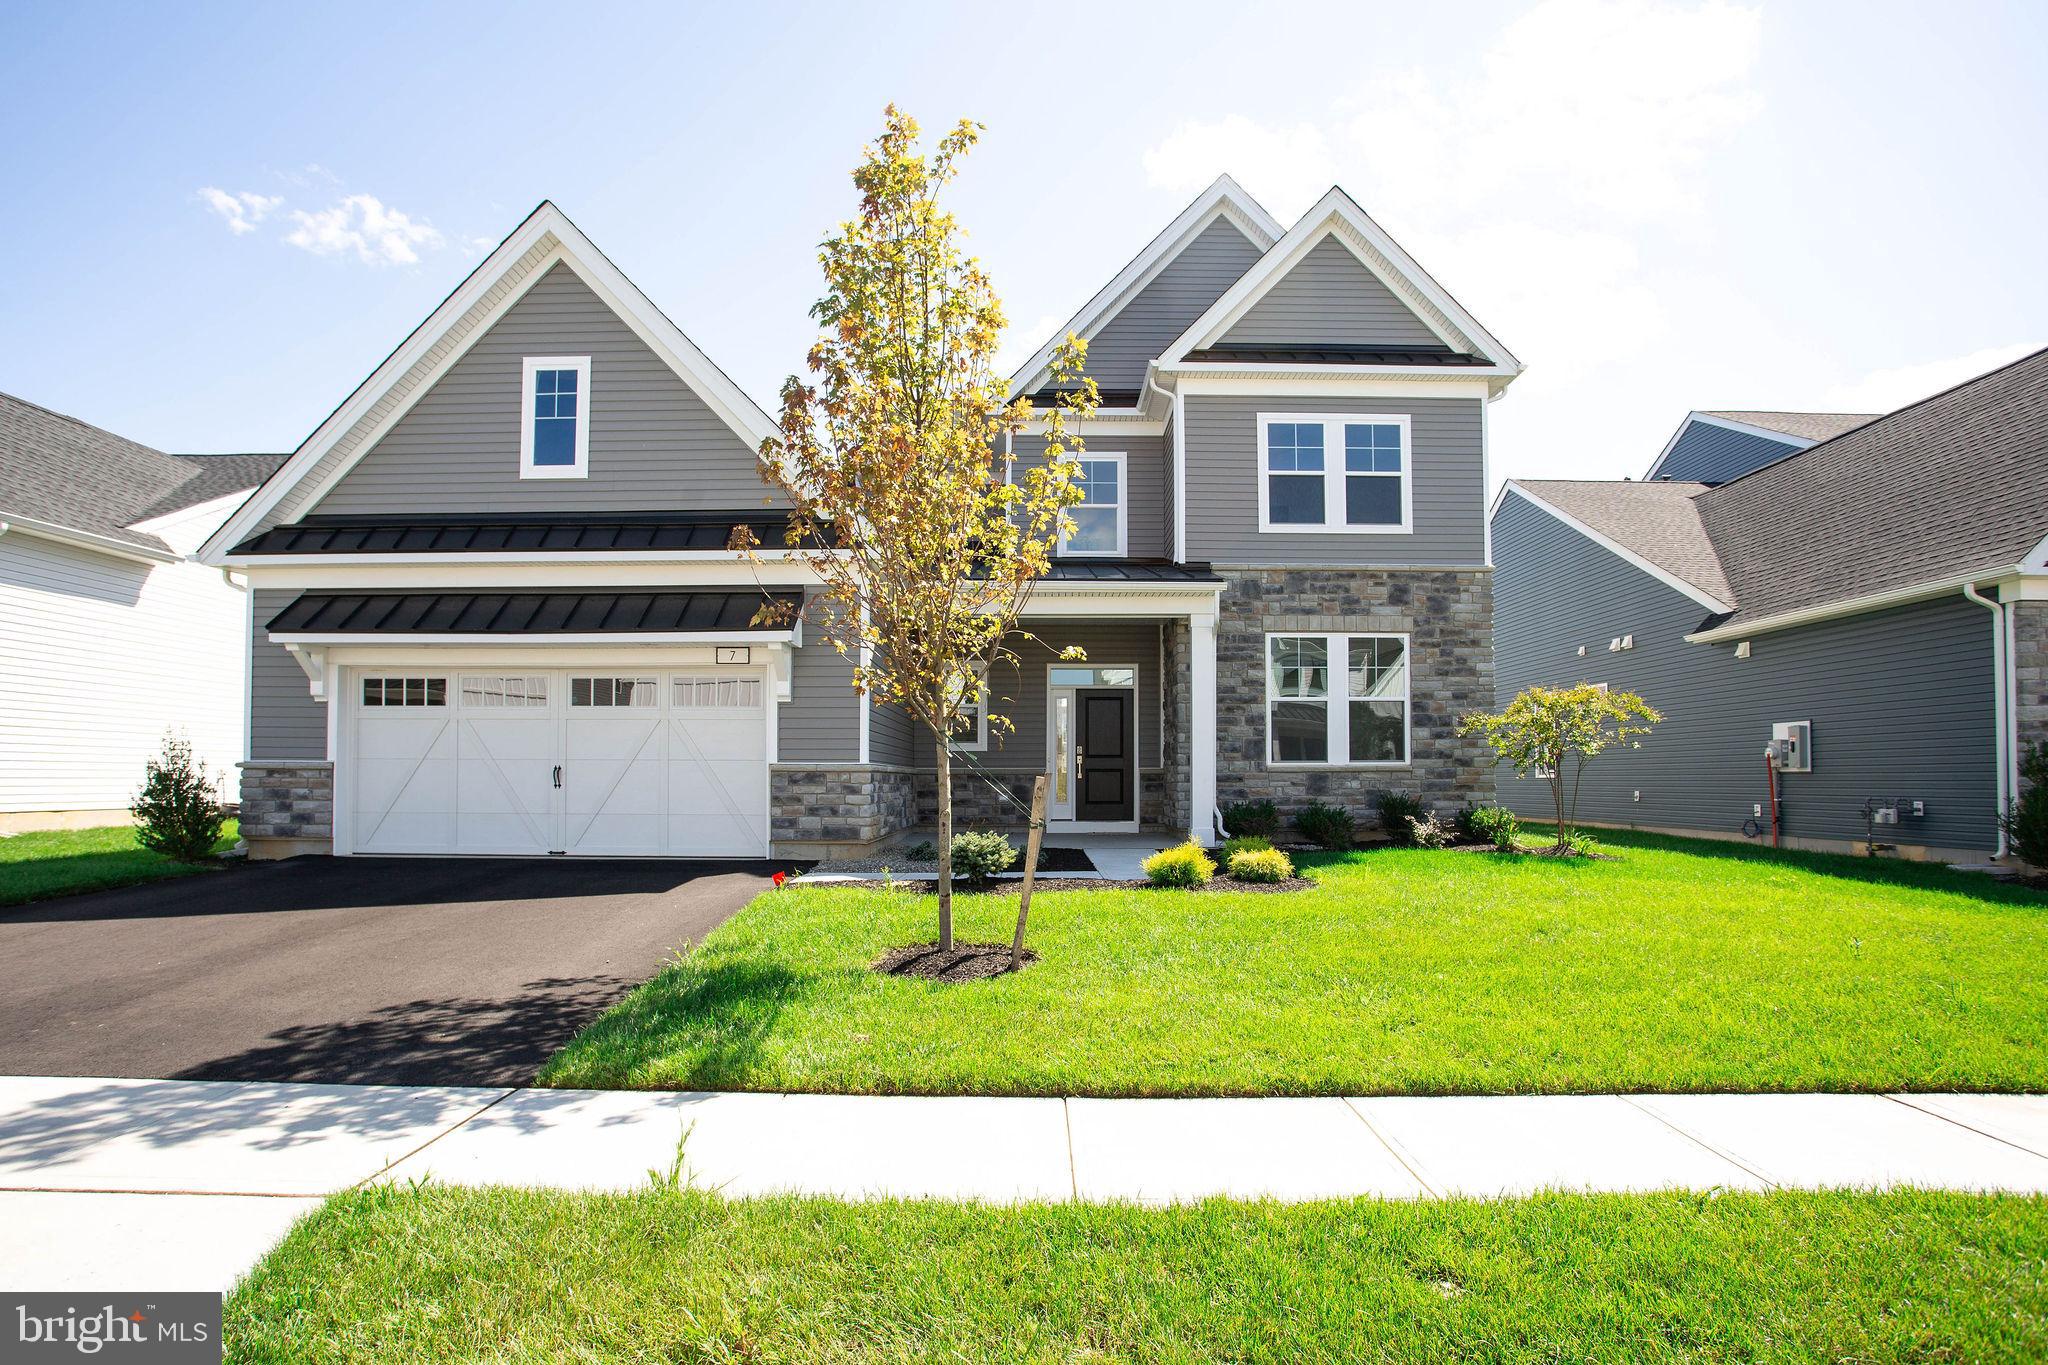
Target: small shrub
<point>1259,818</point>
<point>2026,820</point>
<point>177,812</point>
<point>1398,812</point>
<point>979,854</point>
<point>1260,865</point>
<point>1496,825</point>
<point>1580,843</point>
<point>923,851</point>
<point>1242,843</point>
<point>1429,832</point>
<point>1183,865</point>
<point>1326,826</point>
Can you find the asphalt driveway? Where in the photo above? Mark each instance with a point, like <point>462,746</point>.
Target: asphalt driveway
<point>348,970</point>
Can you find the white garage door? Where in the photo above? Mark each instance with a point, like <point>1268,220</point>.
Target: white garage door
<point>623,763</point>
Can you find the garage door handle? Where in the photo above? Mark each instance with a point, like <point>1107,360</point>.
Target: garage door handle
<point>558,774</point>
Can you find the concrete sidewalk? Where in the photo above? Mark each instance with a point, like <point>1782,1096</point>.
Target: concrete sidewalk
<point>170,1185</point>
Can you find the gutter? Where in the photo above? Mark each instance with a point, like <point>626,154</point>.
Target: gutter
<point>89,540</point>
<point>2001,706</point>
<point>1850,606</point>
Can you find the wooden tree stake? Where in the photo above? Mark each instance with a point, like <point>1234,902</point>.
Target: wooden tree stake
<point>1031,843</point>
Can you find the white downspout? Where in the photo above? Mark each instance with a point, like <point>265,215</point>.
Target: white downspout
<point>2000,704</point>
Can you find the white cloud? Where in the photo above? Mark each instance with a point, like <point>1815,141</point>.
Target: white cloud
<point>241,212</point>
<point>1020,343</point>
<point>366,226</point>
<point>1890,389</point>
<point>1286,169</point>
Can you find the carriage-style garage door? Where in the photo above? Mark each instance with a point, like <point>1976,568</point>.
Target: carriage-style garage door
<point>624,763</point>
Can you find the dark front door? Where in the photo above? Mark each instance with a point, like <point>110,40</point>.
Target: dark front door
<point>1109,768</point>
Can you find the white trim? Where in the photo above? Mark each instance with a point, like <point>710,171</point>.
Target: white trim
<point>84,540</point>
<point>1339,215</point>
<point>210,510</point>
<point>979,744</point>
<point>1067,823</point>
<point>711,384</point>
<point>1337,699</point>
<point>1202,819</point>
<point>1328,381</point>
<point>1223,198</point>
<point>1620,551</point>
<point>1485,478</point>
<point>2005,779</point>
<point>1180,477</point>
<point>529,372</point>
<point>1853,606</point>
<point>1796,443</point>
<point>1122,505</point>
<point>1335,474</point>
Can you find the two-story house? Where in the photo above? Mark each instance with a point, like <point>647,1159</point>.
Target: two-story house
<point>493,611</point>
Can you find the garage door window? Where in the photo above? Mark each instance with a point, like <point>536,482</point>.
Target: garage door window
<point>497,692</point>
<point>405,691</point>
<point>635,692</point>
<point>718,694</point>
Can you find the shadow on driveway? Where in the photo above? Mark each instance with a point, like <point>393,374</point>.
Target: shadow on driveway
<point>348,970</point>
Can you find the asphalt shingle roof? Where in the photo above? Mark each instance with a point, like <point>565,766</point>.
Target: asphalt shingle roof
<point>69,473</point>
<point>1808,426</point>
<point>1657,520</point>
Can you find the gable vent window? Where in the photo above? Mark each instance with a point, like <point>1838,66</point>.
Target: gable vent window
<point>1344,473</point>
<point>554,439</point>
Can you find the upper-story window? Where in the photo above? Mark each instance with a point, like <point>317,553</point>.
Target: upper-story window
<point>1343,472</point>
<point>554,438</point>
<point>1101,521</point>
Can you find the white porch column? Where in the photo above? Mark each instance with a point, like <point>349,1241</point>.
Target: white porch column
<point>1202,727</point>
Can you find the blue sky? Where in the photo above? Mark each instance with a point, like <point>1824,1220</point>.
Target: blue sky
<point>1658,206</point>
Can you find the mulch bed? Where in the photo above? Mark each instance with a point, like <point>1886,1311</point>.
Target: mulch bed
<point>1014,886</point>
<point>967,961</point>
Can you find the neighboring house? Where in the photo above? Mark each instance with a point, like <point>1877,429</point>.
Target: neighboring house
<point>112,636</point>
<point>1714,447</point>
<point>1877,599</point>
<point>494,612</point>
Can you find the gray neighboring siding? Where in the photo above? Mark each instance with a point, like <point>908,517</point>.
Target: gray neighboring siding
<point>654,444</point>
<point>1711,454</point>
<point>1900,700</point>
<point>1163,309</point>
<point>285,722</point>
<point>1019,692</point>
<point>820,723</point>
<point>1145,480</point>
<point>1223,492</point>
<point>1330,297</point>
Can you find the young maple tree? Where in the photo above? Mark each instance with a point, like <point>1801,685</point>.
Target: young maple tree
<point>893,456</point>
<point>1543,727</point>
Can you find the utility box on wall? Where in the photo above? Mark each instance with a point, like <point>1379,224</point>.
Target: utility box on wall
<point>1792,746</point>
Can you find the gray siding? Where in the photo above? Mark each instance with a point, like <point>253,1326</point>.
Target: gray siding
<point>654,444</point>
<point>1900,700</point>
<point>891,735</point>
<point>1162,310</point>
<point>1223,492</point>
<point>1019,691</point>
<point>1166,485</point>
<point>284,720</point>
<point>1711,454</point>
<point>820,723</point>
<point>1330,297</point>
<point>1145,478</point>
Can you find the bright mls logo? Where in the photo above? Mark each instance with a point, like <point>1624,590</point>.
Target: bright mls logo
<point>166,1328</point>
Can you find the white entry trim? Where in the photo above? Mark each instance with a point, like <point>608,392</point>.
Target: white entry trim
<point>1067,824</point>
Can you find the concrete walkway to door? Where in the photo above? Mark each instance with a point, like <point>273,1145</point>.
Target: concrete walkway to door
<point>164,1184</point>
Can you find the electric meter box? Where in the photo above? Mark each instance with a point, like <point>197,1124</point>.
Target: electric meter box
<point>1792,746</point>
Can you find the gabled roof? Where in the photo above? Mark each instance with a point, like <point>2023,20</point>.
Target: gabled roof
<point>1793,430</point>
<point>66,475</point>
<point>1954,485</point>
<point>1338,216</point>
<point>1655,526</point>
<point>545,237</point>
<point>1224,199</point>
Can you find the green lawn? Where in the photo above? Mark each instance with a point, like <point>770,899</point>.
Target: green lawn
<point>62,862</point>
<point>437,1274</point>
<point>1683,966</point>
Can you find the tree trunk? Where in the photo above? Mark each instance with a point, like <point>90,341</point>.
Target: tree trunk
<point>945,766</point>
<point>1031,841</point>
<point>1557,797</point>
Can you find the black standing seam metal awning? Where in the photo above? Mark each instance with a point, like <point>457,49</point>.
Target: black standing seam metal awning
<point>633,611</point>
<point>549,534</point>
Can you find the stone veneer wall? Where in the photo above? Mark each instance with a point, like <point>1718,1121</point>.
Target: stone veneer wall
<point>2030,672</point>
<point>1176,732</point>
<point>1448,616</point>
<point>288,808</point>
<point>846,806</point>
<point>979,804</point>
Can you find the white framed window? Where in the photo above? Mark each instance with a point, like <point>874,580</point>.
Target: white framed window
<point>405,691</point>
<point>1343,472</point>
<point>716,694</point>
<point>1101,519</point>
<point>500,692</point>
<point>1337,701</point>
<point>554,427</point>
<point>609,691</point>
<point>970,723</point>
